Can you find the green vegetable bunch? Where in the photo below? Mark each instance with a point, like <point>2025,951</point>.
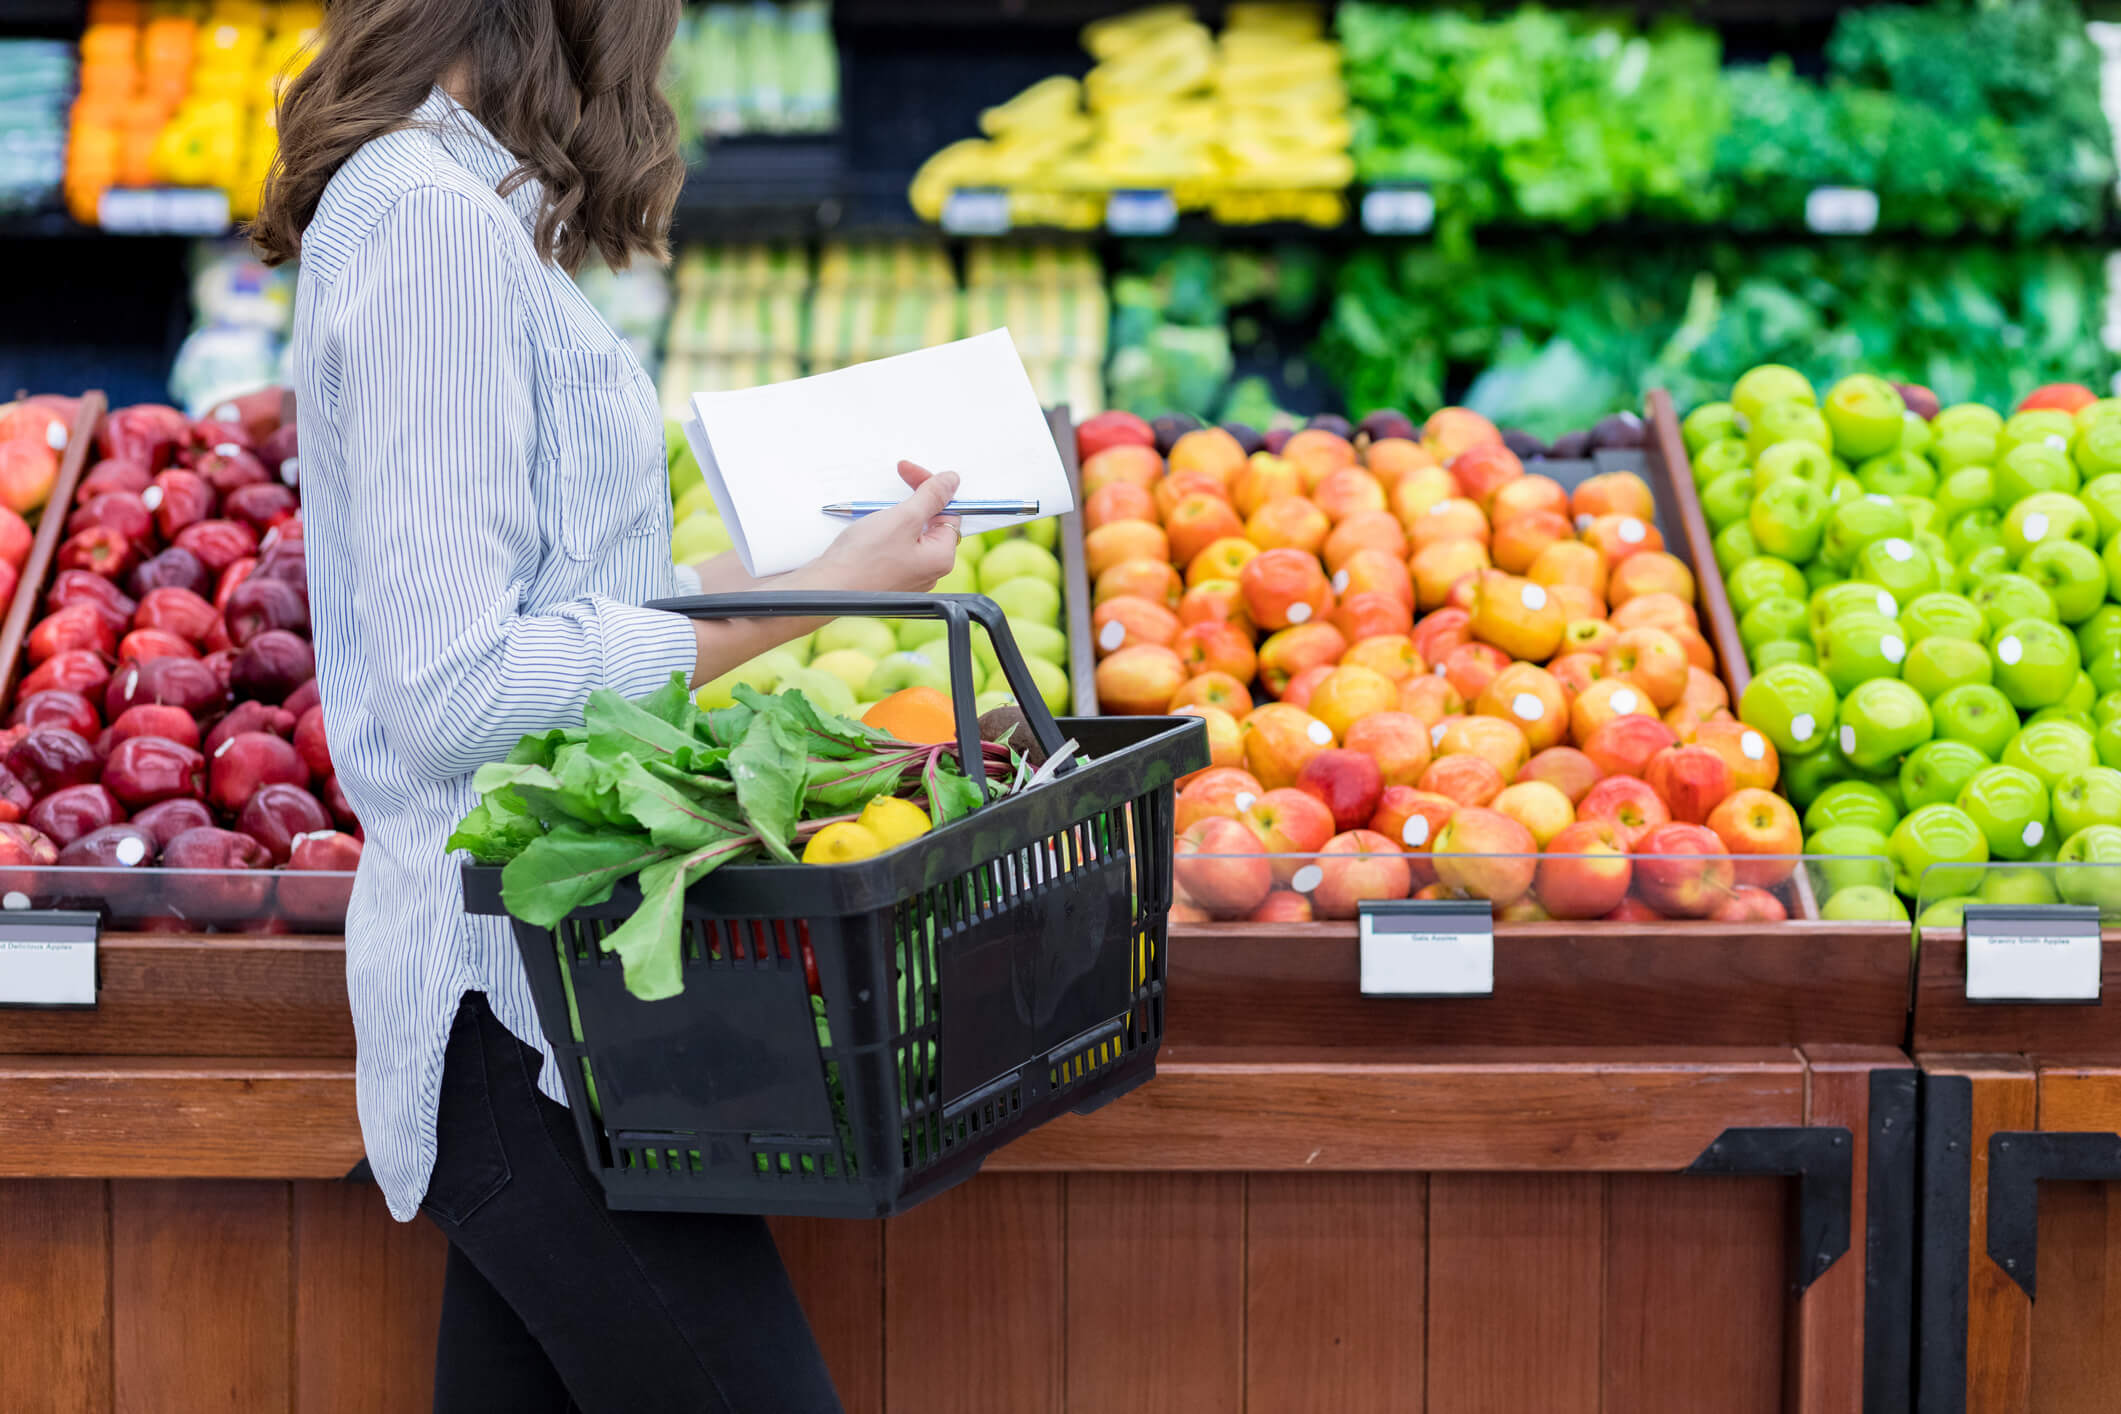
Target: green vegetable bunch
<point>661,790</point>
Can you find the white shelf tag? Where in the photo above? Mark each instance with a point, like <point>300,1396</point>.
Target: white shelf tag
<point>1420,948</point>
<point>976,211</point>
<point>2044,953</point>
<point>48,959</point>
<point>1398,211</point>
<point>1141,213</point>
<point>163,211</point>
<point>1841,211</point>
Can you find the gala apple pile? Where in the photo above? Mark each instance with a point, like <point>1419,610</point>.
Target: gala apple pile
<point>1425,672</point>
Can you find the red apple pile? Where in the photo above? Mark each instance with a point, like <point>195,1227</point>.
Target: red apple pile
<point>1426,672</point>
<point>169,712</point>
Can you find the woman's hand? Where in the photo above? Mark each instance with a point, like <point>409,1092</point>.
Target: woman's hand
<point>903,550</point>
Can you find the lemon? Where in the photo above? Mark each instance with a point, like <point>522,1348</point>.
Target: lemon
<point>843,843</point>
<point>894,821</point>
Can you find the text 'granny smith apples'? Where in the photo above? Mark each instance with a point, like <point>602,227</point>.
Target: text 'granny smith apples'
<point>851,664</point>
<point>1931,606</point>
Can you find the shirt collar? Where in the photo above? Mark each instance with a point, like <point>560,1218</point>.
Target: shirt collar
<point>478,151</point>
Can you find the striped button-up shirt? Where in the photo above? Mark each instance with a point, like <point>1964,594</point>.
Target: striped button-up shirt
<point>485,503</point>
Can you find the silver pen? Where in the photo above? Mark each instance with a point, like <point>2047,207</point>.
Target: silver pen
<point>854,509</point>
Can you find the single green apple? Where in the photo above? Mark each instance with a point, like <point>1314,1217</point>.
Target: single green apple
<point>1851,525</point>
<point>1880,721</point>
<point>1711,422</point>
<point>1946,913</point>
<point>1719,459</point>
<point>2048,515</point>
<point>2007,598</point>
<point>1782,650</point>
<point>2036,661</point>
<point>1843,598</point>
<point>1780,617</point>
<point>2010,805</point>
<point>1032,599</point>
<point>1726,500</point>
<point>1960,447</point>
<point>1851,803</point>
<point>1978,715</point>
<point>916,667</point>
<point>1787,421</point>
<point>2088,797</point>
<point>1898,474</point>
<point>1943,614</point>
<point>1858,647</point>
<point>1958,415</point>
<point>2070,573</point>
<point>872,637</point>
<point>1769,383</point>
<point>1734,545</point>
<point>1899,565</point>
<point>1793,704</point>
<point>2088,869</point>
<point>1937,850</point>
<point>1017,559</point>
<point>2029,884</point>
<point>1865,414</point>
<point>2050,750</point>
<point>2096,447</point>
<point>1936,665</point>
<point>1970,488</point>
<point>1973,530</point>
<point>1798,459</point>
<point>1851,856</point>
<point>1788,518</point>
<point>1935,772</point>
<point>1864,903</point>
<point>1804,778</point>
<point>1763,577</point>
<point>2031,468</point>
<point>2102,497</point>
<point>2038,425</point>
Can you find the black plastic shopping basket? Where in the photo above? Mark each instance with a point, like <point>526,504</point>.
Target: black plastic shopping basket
<point>968,986</point>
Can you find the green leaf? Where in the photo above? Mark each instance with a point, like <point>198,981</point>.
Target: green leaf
<point>725,726</point>
<point>570,868</point>
<point>649,944</point>
<point>768,767</point>
<point>621,728</point>
<point>951,796</point>
<point>585,788</point>
<point>672,703</point>
<point>498,829</point>
<point>676,817</point>
<point>500,776</point>
<point>539,748</point>
<point>841,787</point>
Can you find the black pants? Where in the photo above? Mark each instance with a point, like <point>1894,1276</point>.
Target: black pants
<point>553,1302</point>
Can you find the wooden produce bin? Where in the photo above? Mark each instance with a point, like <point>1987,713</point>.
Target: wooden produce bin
<point>2019,1299</point>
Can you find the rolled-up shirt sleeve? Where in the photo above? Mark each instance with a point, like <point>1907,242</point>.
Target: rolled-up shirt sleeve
<point>437,389</point>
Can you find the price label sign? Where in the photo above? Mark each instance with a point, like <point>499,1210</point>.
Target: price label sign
<point>163,211</point>
<point>1426,948</point>
<point>1398,211</point>
<point>976,211</point>
<point>48,958</point>
<point>1841,211</point>
<point>1141,213</point>
<point>2033,953</point>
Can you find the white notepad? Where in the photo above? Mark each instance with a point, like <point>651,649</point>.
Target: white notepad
<point>774,455</point>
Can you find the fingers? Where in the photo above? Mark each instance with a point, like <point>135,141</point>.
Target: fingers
<point>932,492</point>
<point>913,474</point>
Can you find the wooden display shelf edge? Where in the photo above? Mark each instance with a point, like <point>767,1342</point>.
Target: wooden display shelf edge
<point>51,528</point>
<point>1945,1022</point>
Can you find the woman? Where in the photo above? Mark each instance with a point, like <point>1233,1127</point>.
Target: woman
<point>486,508</point>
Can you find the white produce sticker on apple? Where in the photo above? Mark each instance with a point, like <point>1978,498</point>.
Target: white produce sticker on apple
<point>1307,878</point>
<point>1112,635</point>
<point>1299,612</point>
<point>1535,598</point>
<point>1320,734</point>
<point>1415,833</point>
<point>1340,581</point>
<point>1754,746</point>
<point>2009,650</point>
<point>1802,726</point>
<point>2035,527</point>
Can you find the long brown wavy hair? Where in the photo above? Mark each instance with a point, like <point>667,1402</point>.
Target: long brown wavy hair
<point>569,86</point>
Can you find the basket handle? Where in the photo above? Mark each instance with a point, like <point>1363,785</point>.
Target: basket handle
<point>958,613</point>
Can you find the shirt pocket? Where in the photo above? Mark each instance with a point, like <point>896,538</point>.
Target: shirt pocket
<point>603,452</point>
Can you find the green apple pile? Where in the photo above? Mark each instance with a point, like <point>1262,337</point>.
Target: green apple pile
<point>850,664</point>
<point>1930,600</point>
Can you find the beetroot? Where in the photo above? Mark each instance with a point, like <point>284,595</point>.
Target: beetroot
<point>78,671</point>
<point>150,719</point>
<point>250,717</point>
<point>247,761</point>
<point>122,511</point>
<point>259,604</point>
<point>302,698</point>
<point>228,467</point>
<point>172,818</point>
<point>260,505</point>
<point>175,682</point>
<point>174,568</point>
<point>114,475</point>
<point>147,770</point>
<point>73,587</point>
<point>272,665</point>
<point>53,758</point>
<point>276,815</point>
<point>184,612</point>
<point>145,643</point>
<point>76,627</point>
<point>56,707</point>
<point>311,744</point>
<point>25,844</point>
<point>67,815</point>
<point>112,847</point>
